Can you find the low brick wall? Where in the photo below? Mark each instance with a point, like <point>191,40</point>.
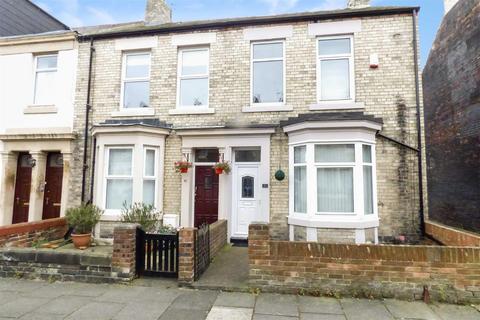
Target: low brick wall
<point>451,274</point>
<point>218,236</point>
<point>451,236</point>
<point>25,235</point>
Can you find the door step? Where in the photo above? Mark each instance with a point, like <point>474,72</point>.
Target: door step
<point>236,242</point>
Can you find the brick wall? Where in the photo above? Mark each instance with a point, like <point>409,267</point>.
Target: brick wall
<point>29,233</point>
<point>218,236</point>
<point>124,249</point>
<point>378,271</point>
<point>186,256</point>
<point>451,236</point>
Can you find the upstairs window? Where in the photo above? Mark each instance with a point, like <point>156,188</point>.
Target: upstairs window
<point>193,77</point>
<point>268,73</point>
<point>335,68</point>
<point>136,80</point>
<point>45,77</point>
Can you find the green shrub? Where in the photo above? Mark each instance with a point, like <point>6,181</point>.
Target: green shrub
<point>144,214</point>
<point>83,218</point>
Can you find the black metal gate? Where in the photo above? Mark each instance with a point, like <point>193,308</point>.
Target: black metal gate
<point>157,254</point>
<point>202,250</point>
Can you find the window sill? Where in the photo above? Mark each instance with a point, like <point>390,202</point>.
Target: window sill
<point>183,111</point>
<point>336,105</point>
<point>134,112</point>
<point>40,109</point>
<point>278,108</point>
<point>347,222</point>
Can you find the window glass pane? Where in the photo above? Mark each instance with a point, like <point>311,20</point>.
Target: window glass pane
<point>268,81</point>
<point>248,187</point>
<point>138,66</point>
<point>149,192</point>
<point>206,155</point>
<point>137,94</point>
<point>334,46</point>
<point>150,163</point>
<point>45,87</point>
<point>367,153</point>
<point>194,92</point>
<point>335,189</point>
<point>118,192</point>
<point>300,154</point>
<point>46,62</point>
<point>194,62</point>
<point>120,162</point>
<point>335,79</point>
<point>367,189</point>
<point>268,50</point>
<point>335,153</point>
<point>300,189</point>
<point>247,156</point>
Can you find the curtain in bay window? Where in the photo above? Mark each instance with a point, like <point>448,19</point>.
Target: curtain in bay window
<point>367,189</point>
<point>335,190</point>
<point>300,189</point>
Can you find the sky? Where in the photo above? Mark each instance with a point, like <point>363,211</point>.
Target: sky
<point>76,13</point>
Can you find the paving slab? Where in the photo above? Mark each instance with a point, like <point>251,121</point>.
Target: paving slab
<point>184,314</point>
<point>356,309</point>
<point>63,305</point>
<point>21,306</point>
<point>20,285</point>
<point>316,316</point>
<point>448,312</point>
<point>235,299</point>
<point>6,297</point>
<point>87,289</point>
<point>195,300</point>
<point>277,305</point>
<point>122,294</point>
<point>158,295</point>
<point>410,310</point>
<point>53,290</point>
<point>141,310</point>
<point>319,305</point>
<point>34,315</point>
<point>272,317</point>
<point>222,313</point>
<point>97,311</point>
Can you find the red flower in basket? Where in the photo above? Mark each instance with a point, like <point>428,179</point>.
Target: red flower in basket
<point>182,166</point>
<point>222,167</point>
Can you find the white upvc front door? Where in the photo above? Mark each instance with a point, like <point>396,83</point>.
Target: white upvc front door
<point>247,198</point>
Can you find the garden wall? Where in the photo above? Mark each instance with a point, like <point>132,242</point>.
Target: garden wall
<point>29,233</point>
<point>376,271</point>
<point>451,236</point>
<point>218,236</point>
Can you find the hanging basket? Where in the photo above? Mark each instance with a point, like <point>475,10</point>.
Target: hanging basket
<point>279,175</point>
<point>218,171</point>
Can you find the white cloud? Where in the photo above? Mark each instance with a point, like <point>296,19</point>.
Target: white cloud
<point>330,5</point>
<point>276,6</point>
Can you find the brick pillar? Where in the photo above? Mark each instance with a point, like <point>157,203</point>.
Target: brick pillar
<point>186,256</point>
<point>124,247</point>
<point>258,250</point>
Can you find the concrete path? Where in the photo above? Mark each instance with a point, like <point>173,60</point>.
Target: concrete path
<point>161,300</point>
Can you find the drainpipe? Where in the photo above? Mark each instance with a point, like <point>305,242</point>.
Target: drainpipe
<point>88,107</point>
<point>92,180</point>
<point>419,121</point>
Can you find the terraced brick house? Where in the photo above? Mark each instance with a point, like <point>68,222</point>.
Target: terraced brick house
<point>331,99</point>
<point>38,58</point>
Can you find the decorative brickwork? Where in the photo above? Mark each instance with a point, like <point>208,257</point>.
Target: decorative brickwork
<point>124,253</point>
<point>218,236</point>
<point>451,236</point>
<point>186,256</point>
<point>27,234</point>
<point>383,271</point>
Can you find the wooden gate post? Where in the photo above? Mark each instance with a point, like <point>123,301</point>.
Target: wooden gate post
<point>186,259</point>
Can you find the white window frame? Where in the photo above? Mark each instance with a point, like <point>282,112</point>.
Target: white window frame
<point>126,54</point>
<point>117,177</point>
<point>284,69</point>
<point>155,172</point>
<point>351,63</point>
<point>181,77</point>
<point>36,72</point>
<point>294,165</point>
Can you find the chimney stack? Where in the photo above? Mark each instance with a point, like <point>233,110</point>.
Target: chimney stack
<point>157,12</point>
<point>448,4</point>
<point>356,4</point>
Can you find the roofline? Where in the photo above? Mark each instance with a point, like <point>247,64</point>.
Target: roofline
<point>48,14</point>
<point>222,23</point>
<point>54,36</point>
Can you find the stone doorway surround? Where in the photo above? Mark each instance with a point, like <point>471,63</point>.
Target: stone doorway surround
<point>225,139</point>
<point>38,145</point>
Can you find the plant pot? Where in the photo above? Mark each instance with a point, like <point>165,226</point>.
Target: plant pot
<point>183,170</point>
<point>82,241</point>
<point>218,171</point>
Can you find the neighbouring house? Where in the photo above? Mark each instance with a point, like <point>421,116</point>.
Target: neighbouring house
<point>37,85</point>
<point>452,113</point>
<point>329,98</point>
<point>19,17</point>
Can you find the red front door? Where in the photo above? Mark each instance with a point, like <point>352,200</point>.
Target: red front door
<point>52,199</point>
<point>22,189</point>
<point>206,195</point>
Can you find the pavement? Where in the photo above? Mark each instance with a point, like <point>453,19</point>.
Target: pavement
<point>162,300</point>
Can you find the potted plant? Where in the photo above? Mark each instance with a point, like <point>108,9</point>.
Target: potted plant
<point>221,167</point>
<point>82,219</point>
<point>182,166</point>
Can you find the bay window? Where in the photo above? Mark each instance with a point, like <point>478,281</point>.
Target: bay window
<point>136,80</point>
<point>335,69</point>
<point>45,77</point>
<point>119,178</point>
<point>268,73</point>
<point>193,77</point>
